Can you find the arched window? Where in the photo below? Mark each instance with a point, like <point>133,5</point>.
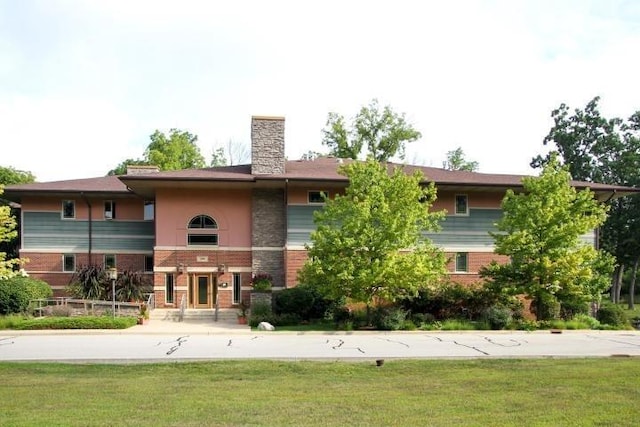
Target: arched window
<point>202,221</point>
<point>202,231</point>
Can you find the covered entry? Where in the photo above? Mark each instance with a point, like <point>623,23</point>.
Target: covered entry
<point>202,290</point>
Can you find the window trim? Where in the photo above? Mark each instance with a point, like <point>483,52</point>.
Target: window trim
<point>168,276</point>
<point>73,204</point>
<point>64,263</point>
<point>455,203</point>
<point>107,264</point>
<point>320,193</point>
<point>111,210</point>
<point>236,284</point>
<point>457,268</point>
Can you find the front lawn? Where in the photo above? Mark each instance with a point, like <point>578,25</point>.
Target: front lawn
<point>510,392</point>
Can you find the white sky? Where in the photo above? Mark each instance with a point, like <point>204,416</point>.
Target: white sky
<point>84,83</point>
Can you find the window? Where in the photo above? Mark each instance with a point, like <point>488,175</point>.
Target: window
<point>317,196</point>
<point>109,261</point>
<point>148,263</point>
<point>68,262</point>
<point>204,231</point>
<point>237,288</point>
<point>168,288</point>
<point>68,209</point>
<point>109,209</point>
<point>462,203</point>
<point>202,239</point>
<point>462,262</point>
<point>149,210</point>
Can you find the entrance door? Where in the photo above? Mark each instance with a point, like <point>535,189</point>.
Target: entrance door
<point>204,291</point>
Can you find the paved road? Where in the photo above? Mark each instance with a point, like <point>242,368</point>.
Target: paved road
<point>192,343</point>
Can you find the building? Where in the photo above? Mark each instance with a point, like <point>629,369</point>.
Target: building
<point>203,233</point>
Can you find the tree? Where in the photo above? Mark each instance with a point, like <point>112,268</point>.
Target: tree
<point>10,175</point>
<point>234,153</point>
<point>540,233</point>
<point>382,133</point>
<point>176,151</point>
<point>599,149</point>
<point>7,233</point>
<point>368,244</point>
<point>456,161</point>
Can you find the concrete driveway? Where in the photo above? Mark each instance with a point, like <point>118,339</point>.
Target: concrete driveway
<point>178,341</point>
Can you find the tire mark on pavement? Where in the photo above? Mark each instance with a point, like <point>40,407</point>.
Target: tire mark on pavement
<point>460,344</point>
<point>178,342</point>
<point>2,341</point>
<point>394,342</point>
<point>516,343</point>
<point>595,337</point>
<point>341,343</point>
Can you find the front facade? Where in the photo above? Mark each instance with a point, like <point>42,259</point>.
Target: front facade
<point>202,234</point>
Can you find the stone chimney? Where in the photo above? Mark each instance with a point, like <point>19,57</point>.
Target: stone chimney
<point>141,169</point>
<point>267,145</point>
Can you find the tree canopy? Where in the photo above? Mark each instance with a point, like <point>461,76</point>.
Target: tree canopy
<point>7,233</point>
<point>233,153</point>
<point>540,232</point>
<point>607,150</point>
<point>456,161</point>
<point>10,175</point>
<point>175,151</point>
<point>369,243</point>
<point>382,133</point>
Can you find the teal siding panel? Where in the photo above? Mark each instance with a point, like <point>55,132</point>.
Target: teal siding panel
<point>46,230</point>
<point>468,230</point>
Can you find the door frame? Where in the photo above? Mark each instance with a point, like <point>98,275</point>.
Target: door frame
<point>211,290</point>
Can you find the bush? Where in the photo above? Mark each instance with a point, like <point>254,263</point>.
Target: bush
<point>16,292</point>
<point>80,322</point>
<point>545,307</point>
<point>261,312</point>
<point>612,315</point>
<point>389,319</point>
<point>588,321</point>
<point>302,301</point>
<point>497,317</point>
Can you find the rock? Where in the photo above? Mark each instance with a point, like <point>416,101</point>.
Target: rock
<point>266,326</point>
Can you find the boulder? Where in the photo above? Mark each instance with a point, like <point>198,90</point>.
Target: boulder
<point>266,326</point>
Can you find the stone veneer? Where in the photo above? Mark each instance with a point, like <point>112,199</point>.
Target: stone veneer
<point>268,233</point>
<point>267,145</point>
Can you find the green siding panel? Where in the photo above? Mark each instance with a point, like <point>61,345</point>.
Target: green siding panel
<point>46,230</point>
<point>468,230</point>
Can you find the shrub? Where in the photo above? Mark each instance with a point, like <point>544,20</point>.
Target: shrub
<point>497,317</point>
<point>389,319</point>
<point>612,315</point>
<point>303,301</point>
<point>545,307</point>
<point>80,322</point>
<point>261,312</point>
<point>16,292</point>
<point>589,322</point>
<point>262,282</point>
<point>457,325</point>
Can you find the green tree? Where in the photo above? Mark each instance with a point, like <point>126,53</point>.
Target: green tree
<point>176,151</point>
<point>7,233</point>
<point>457,162</point>
<point>10,175</point>
<point>368,244</point>
<point>382,133</point>
<point>540,233</point>
<point>606,150</point>
<point>121,169</point>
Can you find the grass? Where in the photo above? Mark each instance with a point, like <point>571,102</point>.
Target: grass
<point>508,392</point>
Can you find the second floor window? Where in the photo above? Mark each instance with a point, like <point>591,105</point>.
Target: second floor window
<point>68,209</point>
<point>109,209</point>
<point>202,231</point>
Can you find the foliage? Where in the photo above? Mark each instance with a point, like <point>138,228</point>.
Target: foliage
<point>90,282</point>
<point>10,175</point>
<point>540,232</point>
<point>612,315</point>
<point>261,311</point>
<point>7,233</point>
<point>243,307</point>
<point>382,133</point>
<point>132,286</point>
<point>75,322</point>
<point>389,318</point>
<point>175,151</point>
<point>607,150</point>
<point>303,300</point>
<point>498,317</point>
<point>17,291</point>
<point>262,282</point>
<point>368,243</point>
<point>457,162</point>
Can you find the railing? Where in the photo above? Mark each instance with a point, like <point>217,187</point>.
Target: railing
<point>76,306</point>
<point>183,307</point>
<point>151,301</point>
<point>215,313</point>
